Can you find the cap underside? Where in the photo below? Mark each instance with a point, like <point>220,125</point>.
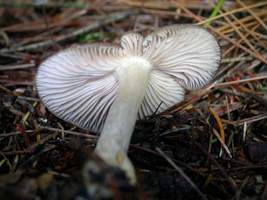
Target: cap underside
<point>79,86</point>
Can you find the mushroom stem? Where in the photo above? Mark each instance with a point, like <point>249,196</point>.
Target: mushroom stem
<point>114,141</point>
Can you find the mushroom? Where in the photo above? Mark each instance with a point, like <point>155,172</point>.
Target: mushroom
<point>104,88</point>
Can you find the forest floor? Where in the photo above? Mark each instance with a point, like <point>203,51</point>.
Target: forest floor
<point>216,136</point>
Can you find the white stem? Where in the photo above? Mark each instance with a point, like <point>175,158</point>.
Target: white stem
<point>115,138</point>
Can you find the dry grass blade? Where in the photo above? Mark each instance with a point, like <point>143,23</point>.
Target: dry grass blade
<point>221,139</point>
<point>231,12</point>
<point>243,21</point>
<point>222,35</point>
<point>239,41</point>
<point>253,14</point>
<point>237,31</point>
<point>251,32</point>
<point>220,125</point>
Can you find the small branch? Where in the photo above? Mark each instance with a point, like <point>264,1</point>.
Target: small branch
<point>90,27</point>
<point>12,82</point>
<point>55,45</point>
<point>29,98</point>
<point>49,4</point>
<point>182,173</point>
<point>70,132</point>
<point>174,160</point>
<point>251,119</point>
<point>217,164</point>
<point>12,67</point>
<point>9,91</point>
<point>240,81</point>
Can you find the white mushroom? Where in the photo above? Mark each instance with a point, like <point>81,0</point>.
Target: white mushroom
<point>101,87</point>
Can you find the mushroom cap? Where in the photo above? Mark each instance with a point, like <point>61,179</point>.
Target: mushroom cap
<point>78,84</point>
